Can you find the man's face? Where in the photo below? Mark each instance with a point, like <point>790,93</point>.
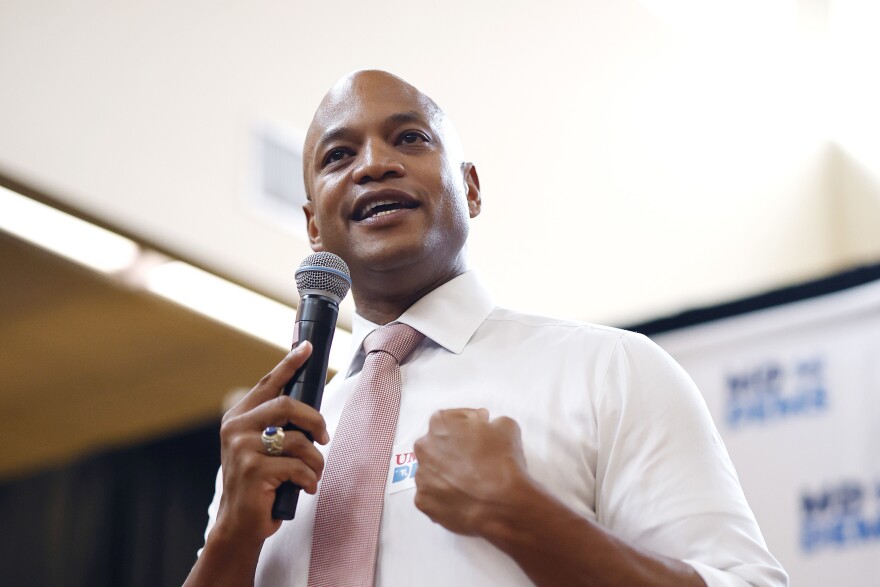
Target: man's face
<point>386,189</point>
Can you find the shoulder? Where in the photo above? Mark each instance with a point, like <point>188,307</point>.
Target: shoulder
<point>500,315</point>
<point>622,350</point>
<point>597,346</point>
<point>569,330</point>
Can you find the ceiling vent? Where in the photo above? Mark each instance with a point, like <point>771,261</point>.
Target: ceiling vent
<point>275,176</point>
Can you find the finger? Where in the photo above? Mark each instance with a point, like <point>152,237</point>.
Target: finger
<point>508,426</point>
<point>297,446</point>
<point>444,420</point>
<point>272,383</point>
<point>294,446</point>
<point>283,410</point>
<point>276,412</point>
<point>254,462</point>
<point>252,452</point>
<point>280,469</point>
<point>464,415</point>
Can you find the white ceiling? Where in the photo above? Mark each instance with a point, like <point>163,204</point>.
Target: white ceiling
<point>635,157</point>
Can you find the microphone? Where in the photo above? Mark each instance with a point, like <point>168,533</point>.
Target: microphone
<point>322,280</point>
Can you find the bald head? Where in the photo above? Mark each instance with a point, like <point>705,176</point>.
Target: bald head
<point>358,86</point>
<point>364,93</point>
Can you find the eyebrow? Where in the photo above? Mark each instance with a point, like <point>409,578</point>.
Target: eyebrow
<point>408,116</point>
<point>343,132</point>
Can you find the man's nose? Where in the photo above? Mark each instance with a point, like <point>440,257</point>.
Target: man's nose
<point>377,161</point>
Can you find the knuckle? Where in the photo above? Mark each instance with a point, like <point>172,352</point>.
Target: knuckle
<point>227,416</point>
<point>304,451</point>
<point>296,468</point>
<point>298,441</point>
<point>422,449</point>
<point>227,428</point>
<point>236,442</point>
<point>319,464</point>
<point>249,465</point>
<point>302,474</point>
<point>284,403</point>
<point>507,423</point>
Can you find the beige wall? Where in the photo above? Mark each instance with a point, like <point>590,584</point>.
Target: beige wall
<point>640,157</point>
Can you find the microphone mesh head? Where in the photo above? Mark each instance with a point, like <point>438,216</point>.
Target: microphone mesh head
<point>323,273</point>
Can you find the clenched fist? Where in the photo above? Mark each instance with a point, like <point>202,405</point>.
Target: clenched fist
<point>471,470</point>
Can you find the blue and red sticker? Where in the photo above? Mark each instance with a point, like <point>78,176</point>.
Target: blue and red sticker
<point>403,471</point>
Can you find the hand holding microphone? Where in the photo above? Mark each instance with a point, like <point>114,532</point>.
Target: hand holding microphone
<point>322,281</point>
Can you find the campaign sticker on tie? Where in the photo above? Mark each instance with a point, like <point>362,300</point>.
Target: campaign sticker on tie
<point>402,474</point>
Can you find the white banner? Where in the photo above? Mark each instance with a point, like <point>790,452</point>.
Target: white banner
<point>795,393</point>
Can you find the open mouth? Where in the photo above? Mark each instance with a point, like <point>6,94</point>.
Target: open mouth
<point>381,207</point>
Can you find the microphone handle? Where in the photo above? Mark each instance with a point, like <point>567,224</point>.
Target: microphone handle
<point>316,322</point>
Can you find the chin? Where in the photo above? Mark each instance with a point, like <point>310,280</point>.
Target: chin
<point>383,259</point>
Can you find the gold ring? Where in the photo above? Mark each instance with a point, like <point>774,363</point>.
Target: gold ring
<point>273,440</point>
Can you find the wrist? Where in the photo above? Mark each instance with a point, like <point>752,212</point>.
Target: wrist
<point>222,538</point>
<point>226,560</point>
<point>508,520</point>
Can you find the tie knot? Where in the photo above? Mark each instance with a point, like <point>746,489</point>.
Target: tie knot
<point>396,339</point>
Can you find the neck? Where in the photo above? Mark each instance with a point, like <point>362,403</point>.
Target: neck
<point>382,304</point>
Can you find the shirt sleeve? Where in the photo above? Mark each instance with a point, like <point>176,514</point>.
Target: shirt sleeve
<point>664,480</point>
<point>214,507</point>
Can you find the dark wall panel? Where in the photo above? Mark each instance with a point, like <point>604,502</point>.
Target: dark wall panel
<point>132,517</point>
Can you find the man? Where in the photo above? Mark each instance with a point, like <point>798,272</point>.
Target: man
<point>549,453</point>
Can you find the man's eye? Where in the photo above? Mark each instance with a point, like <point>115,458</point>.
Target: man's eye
<point>412,137</point>
<point>335,155</point>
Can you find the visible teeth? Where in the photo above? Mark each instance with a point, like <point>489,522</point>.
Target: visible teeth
<point>372,209</point>
<point>375,205</point>
<point>385,212</point>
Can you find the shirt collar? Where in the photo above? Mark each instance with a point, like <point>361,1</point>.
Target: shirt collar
<point>448,315</point>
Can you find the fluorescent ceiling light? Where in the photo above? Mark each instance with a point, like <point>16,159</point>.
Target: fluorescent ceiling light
<point>223,301</point>
<point>200,291</point>
<point>234,306</point>
<point>64,234</point>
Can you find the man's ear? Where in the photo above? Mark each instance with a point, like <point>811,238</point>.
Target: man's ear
<point>472,185</point>
<point>312,227</point>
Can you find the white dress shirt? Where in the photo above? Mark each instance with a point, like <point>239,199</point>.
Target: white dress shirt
<point>611,425</point>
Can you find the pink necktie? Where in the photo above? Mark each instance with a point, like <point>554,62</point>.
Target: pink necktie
<point>346,532</point>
